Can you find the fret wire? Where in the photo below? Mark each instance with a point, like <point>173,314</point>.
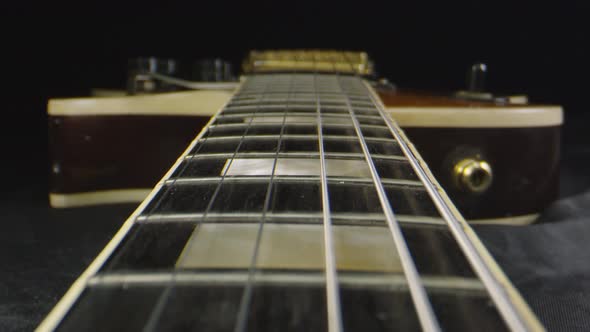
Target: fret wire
<point>246,94</point>
<point>497,290</point>
<point>237,110</point>
<point>164,298</point>
<point>290,178</point>
<point>181,168</point>
<point>76,291</point>
<point>303,124</point>
<point>247,295</point>
<point>298,137</point>
<point>305,99</point>
<point>294,217</point>
<point>440,284</point>
<point>418,293</point>
<point>333,155</point>
<point>332,289</point>
<point>299,101</point>
<point>300,114</point>
<point>202,142</point>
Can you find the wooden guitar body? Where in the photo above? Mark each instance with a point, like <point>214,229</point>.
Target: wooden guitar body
<point>100,146</point>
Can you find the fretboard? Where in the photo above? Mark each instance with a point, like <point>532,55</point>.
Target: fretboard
<point>301,206</point>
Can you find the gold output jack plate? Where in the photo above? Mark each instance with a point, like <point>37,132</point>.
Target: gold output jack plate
<point>472,175</point>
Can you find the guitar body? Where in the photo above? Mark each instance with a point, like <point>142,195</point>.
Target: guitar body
<point>99,144</point>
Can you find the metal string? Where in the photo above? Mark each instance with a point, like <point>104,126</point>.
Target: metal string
<point>423,306</point>
<point>181,168</point>
<point>246,299</point>
<point>165,297</point>
<point>497,290</point>
<point>332,289</point>
<point>333,302</point>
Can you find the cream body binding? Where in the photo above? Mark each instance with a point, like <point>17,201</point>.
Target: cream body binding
<point>206,102</point>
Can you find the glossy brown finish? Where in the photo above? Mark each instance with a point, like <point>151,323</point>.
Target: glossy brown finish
<point>525,163</point>
<point>407,98</point>
<point>91,153</point>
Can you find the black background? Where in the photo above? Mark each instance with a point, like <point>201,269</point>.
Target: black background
<point>62,50</point>
<point>57,50</point>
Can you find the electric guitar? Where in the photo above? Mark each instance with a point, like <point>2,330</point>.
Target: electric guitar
<point>300,206</point>
<point>114,149</point>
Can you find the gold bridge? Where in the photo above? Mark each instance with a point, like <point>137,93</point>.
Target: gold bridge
<point>323,61</point>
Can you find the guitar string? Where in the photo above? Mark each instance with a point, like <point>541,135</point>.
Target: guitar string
<point>246,299</point>
<point>168,292</point>
<point>274,165</point>
<point>55,318</point>
<point>422,305</point>
<point>182,167</point>
<point>327,231</point>
<point>332,289</point>
<point>333,308</point>
<point>496,288</point>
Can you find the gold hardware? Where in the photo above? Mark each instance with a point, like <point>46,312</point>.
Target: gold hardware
<point>473,175</point>
<point>324,61</point>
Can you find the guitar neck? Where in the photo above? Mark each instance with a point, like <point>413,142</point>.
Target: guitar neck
<point>300,206</point>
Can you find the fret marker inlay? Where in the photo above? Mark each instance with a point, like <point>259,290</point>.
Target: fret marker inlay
<point>296,167</point>
<point>284,246</point>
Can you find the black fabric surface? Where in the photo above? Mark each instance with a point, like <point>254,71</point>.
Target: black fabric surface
<point>549,263</point>
<point>44,251</point>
